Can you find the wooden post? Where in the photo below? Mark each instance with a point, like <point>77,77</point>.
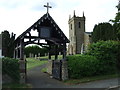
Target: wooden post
<point>49,56</point>
<point>22,49</point>
<point>56,52</point>
<point>64,51</point>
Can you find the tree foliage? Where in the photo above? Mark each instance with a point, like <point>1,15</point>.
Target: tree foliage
<point>7,44</point>
<point>103,31</point>
<point>35,50</point>
<point>106,52</point>
<point>116,23</point>
<point>106,31</point>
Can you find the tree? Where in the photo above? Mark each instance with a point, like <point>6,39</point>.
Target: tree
<point>7,44</point>
<point>116,22</point>
<point>103,31</point>
<point>34,49</point>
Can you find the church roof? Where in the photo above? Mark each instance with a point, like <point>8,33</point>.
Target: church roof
<point>47,20</point>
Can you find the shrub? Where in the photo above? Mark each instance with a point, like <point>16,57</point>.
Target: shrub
<point>82,65</point>
<point>100,59</point>
<point>106,52</point>
<point>11,67</point>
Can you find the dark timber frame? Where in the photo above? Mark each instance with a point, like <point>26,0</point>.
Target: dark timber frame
<point>53,36</point>
<point>56,38</point>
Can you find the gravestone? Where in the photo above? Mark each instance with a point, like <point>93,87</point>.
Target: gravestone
<point>38,54</point>
<point>35,56</point>
<point>30,55</point>
<point>59,53</point>
<point>45,54</point>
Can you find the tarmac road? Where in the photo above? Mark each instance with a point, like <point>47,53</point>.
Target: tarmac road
<point>39,79</point>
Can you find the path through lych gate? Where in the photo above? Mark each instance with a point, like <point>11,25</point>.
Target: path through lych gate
<point>39,79</point>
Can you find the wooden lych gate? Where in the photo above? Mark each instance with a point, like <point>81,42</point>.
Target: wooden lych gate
<point>45,29</point>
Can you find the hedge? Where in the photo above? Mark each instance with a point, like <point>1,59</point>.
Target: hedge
<point>100,59</point>
<point>107,52</point>
<point>85,65</point>
<point>104,50</point>
<point>11,67</point>
<point>82,66</point>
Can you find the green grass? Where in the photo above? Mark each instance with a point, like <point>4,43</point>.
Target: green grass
<point>31,63</point>
<point>15,85</point>
<point>52,57</point>
<point>44,70</point>
<point>89,79</point>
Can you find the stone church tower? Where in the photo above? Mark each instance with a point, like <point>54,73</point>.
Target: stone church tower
<point>76,34</point>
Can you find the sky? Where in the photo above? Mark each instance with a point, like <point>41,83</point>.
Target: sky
<point>18,15</point>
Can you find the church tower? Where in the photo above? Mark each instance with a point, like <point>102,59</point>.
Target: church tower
<point>76,34</point>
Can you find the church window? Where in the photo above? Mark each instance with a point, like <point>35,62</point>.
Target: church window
<point>79,24</point>
<point>71,26</point>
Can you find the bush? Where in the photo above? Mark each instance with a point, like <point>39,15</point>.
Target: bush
<point>11,67</point>
<point>82,66</point>
<point>106,52</point>
<point>100,59</point>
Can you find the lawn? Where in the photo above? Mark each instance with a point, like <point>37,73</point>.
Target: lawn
<point>52,57</point>
<point>32,62</point>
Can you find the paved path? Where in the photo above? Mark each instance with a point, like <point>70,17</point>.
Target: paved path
<point>39,79</point>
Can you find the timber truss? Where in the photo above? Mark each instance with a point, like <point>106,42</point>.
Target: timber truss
<point>44,29</point>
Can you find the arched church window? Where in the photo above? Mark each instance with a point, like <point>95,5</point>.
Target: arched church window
<point>79,24</point>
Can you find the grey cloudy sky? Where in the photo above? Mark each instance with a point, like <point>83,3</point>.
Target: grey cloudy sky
<point>18,15</point>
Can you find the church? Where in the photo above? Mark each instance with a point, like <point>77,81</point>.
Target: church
<point>79,39</point>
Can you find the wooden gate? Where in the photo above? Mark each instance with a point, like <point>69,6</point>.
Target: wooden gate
<point>57,69</point>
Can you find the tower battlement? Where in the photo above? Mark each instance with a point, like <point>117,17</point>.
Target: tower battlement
<point>76,33</point>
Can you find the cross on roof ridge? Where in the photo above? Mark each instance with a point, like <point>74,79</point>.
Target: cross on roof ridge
<point>47,6</point>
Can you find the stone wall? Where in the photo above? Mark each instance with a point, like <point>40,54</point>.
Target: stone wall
<point>64,68</point>
<point>22,71</point>
<point>49,67</point>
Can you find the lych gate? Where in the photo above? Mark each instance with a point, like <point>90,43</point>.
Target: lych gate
<point>46,29</point>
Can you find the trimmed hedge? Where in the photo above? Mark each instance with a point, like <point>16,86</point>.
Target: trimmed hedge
<point>85,65</point>
<point>11,67</point>
<point>100,59</point>
<point>82,66</point>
